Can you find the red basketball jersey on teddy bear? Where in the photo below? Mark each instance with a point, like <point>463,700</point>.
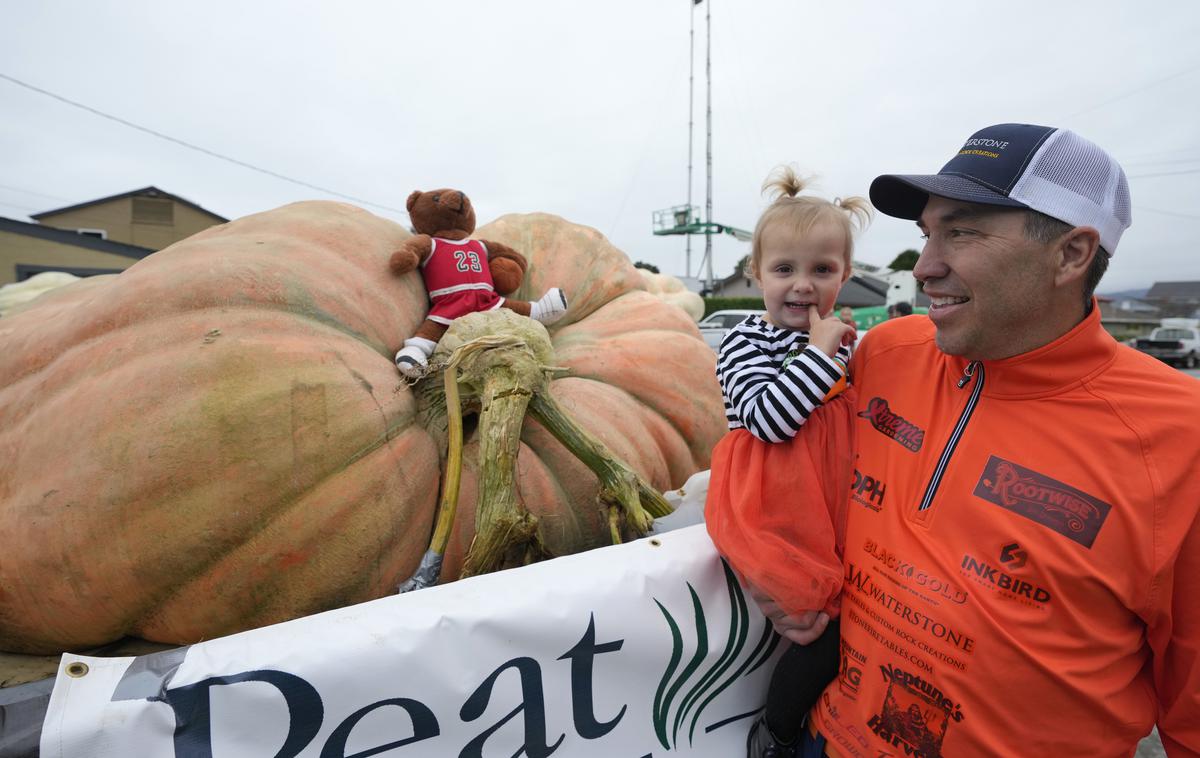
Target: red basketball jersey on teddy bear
<point>457,277</point>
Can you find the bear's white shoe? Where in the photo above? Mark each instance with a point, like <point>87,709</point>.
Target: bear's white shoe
<point>411,361</point>
<point>550,308</point>
<point>414,356</point>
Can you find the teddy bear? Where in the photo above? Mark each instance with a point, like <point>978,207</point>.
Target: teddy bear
<point>461,275</point>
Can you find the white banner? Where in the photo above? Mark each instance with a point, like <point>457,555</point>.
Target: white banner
<point>644,649</point>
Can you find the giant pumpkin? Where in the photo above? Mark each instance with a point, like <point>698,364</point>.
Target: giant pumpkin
<point>216,439</point>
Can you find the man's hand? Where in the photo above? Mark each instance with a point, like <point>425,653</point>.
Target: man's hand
<point>801,628</point>
<point>828,334</point>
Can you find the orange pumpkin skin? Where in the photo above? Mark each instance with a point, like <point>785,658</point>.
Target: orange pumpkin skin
<point>217,439</point>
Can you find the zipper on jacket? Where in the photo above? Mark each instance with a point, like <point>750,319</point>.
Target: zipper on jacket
<point>974,370</point>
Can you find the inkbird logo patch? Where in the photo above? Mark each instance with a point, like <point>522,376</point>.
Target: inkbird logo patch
<point>1068,511</point>
<point>892,424</point>
<point>684,690</point>
<point>1014,555</point>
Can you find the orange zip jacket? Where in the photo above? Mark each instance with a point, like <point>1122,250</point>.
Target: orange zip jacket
<point>1022,572</point>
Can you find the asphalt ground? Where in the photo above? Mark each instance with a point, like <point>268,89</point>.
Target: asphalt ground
<point>1151,747</point>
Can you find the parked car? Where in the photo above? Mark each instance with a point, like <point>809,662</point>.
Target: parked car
<point>714,325</point>
<point>1176,342</point>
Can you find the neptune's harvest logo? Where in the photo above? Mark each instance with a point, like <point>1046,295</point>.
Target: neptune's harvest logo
<point>685,691</point>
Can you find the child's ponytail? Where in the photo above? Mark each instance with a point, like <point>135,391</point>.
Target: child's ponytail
<point>801,212</point>
<point>784,182</point>
<point>857,208</point>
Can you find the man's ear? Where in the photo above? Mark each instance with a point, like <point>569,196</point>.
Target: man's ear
<point>1076,250</point>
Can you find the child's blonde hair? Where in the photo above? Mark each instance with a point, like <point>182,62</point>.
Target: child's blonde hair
<point>804,212</point>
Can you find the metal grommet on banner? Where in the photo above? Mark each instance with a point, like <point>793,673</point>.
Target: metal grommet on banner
<point>654,542</point>
<point>77,670</point>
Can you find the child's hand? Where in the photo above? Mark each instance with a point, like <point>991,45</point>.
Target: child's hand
<point>800,628</point>
<point>830,333</point>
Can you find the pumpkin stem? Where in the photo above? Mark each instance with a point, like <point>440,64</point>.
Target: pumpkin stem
<point>620,485</point>
<point>502,363</point>
<point>614,524</point>
<point>429,570</point>
<point>506,533</point>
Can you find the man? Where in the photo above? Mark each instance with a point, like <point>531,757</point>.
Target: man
<point>1023,547</point>
<point>899,310</point>
<point>846,314</point>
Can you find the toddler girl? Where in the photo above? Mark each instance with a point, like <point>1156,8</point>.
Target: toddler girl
<point>777,511</point>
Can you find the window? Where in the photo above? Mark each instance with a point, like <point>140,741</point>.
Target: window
<point>1175,334</point>
<point>152,210</point>
<point>97,233</point>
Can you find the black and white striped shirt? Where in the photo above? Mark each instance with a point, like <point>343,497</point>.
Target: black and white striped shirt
<point>772,379</point>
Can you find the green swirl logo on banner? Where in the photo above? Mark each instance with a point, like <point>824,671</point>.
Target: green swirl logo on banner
<point>685,691</point>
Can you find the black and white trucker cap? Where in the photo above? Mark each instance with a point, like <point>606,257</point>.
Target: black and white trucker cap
<point>1054,171</point>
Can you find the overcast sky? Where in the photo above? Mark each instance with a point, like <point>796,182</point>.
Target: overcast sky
<point>581,109</point>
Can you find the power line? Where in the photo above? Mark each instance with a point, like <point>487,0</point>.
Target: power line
<point>197,148</point>
<point>1167,213</point>
<point>38,194</point>
<point>19,207</point>
<point>1162,156</point>
<point>1166,173</point>
<point>1171,162</point>
<point>1132,92</point>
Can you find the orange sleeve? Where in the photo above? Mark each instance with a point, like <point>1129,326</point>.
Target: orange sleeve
<point>777,511</point>
<point>1174,637</point>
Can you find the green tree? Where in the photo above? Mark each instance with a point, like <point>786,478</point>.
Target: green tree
<point>648,266</point>
<point>905,261</point>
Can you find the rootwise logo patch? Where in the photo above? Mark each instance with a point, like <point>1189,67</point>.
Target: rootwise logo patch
<point>1068,511</point>
<point>892,424</point>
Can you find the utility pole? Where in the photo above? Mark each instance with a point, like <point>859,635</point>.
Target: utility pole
<point>708,199</point>
<point>679,219</point>
<point>691,110</point>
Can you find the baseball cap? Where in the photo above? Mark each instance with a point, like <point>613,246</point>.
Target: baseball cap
<point>1053,171</point>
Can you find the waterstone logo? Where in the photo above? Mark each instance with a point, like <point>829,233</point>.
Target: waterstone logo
<point>984,142</point>
<point>978,146</point>
<point>860,581</point>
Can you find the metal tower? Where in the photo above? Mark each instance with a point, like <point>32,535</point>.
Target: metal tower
<point>685,219</point>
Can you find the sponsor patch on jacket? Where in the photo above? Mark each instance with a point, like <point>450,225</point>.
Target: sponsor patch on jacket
<point>1068,511</point>
<point>892,424</point>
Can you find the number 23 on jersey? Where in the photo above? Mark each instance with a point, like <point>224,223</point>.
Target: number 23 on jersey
<point>467,260</point>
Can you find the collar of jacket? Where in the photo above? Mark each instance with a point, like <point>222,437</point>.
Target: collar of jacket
<point>1063,364</point>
